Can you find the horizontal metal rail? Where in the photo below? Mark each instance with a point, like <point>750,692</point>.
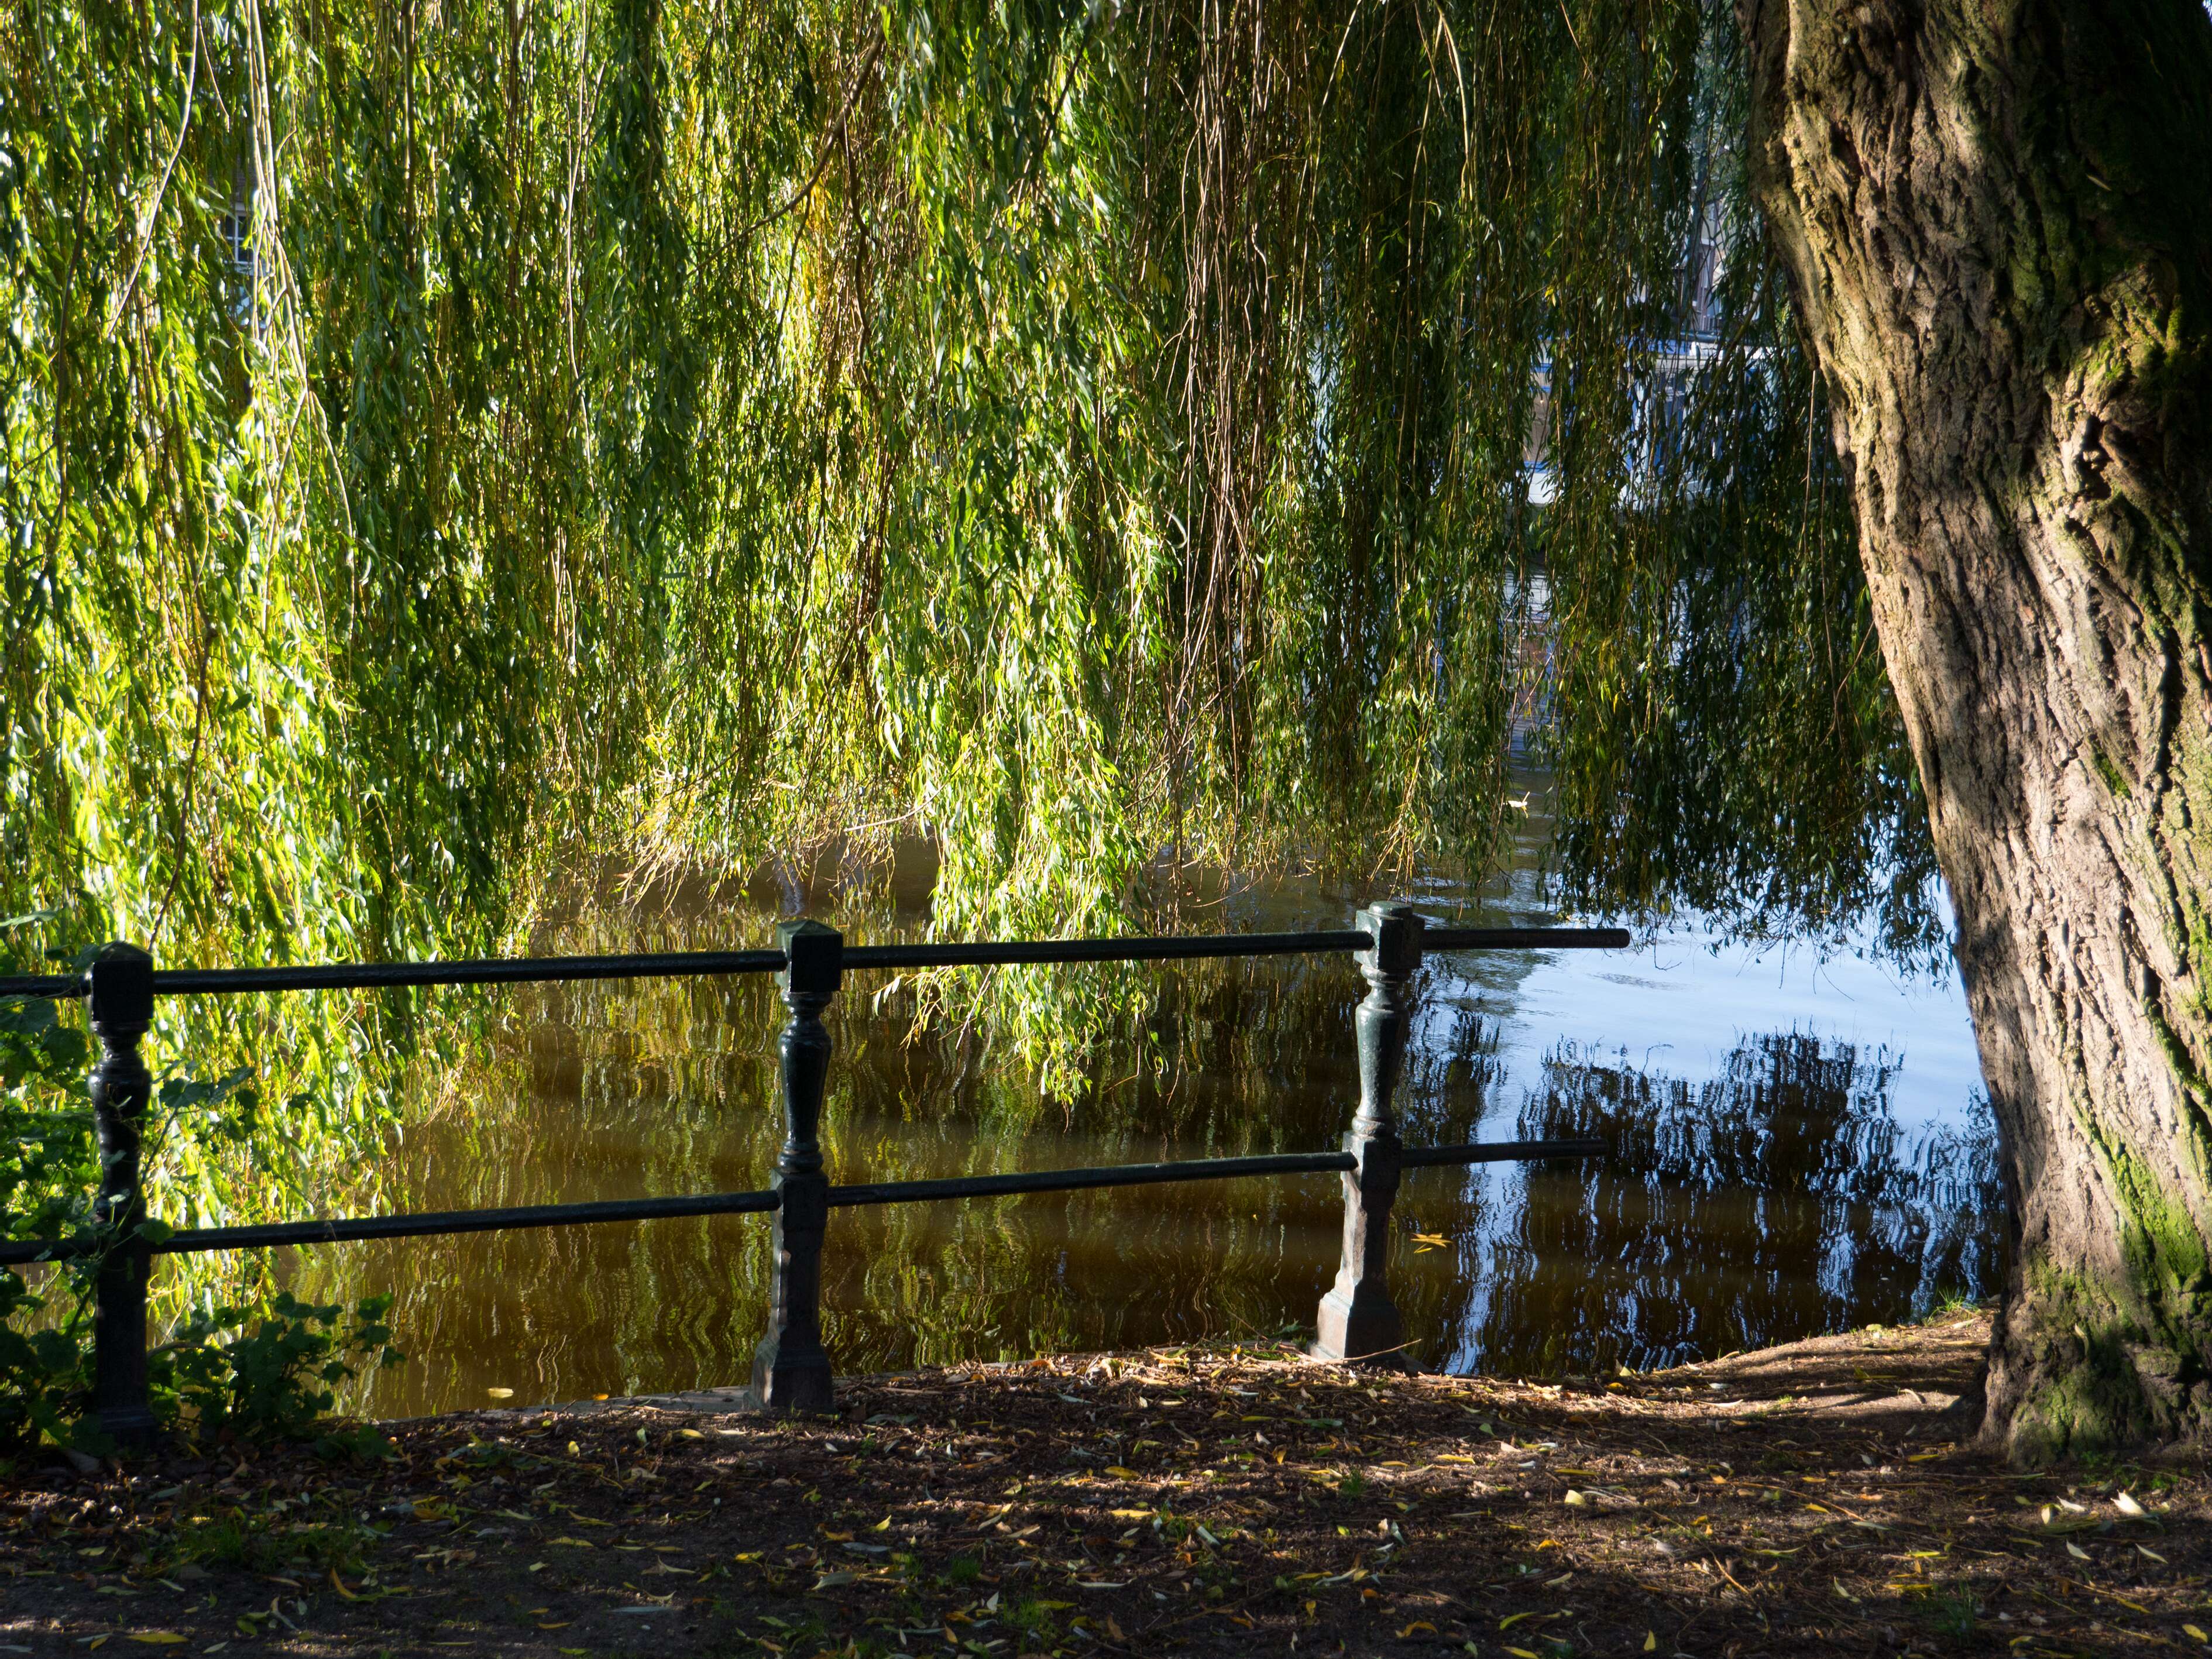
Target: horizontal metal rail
<point>421,1223</point>
<point>1500,1151</point>
<point>518,971</point>
<point>52,986</point>
<point>270,1235</point>
<point>527,970</point>
<point>1525,938</point>
<point>1158,948</point>
<point>384,975</point>
<point>1119,1175</point>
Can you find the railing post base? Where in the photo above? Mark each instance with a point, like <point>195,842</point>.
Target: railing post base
<point>1359,1319</point>
<point>791,1367</point>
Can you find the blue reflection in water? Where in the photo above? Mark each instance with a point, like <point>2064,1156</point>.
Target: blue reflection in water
<point>1800,1145</point>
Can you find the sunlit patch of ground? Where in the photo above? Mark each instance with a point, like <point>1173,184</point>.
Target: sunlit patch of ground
<point>1810,1499</point>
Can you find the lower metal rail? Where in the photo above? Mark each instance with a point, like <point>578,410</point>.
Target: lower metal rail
<point>349,1230</point>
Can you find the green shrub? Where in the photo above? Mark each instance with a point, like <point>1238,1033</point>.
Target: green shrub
<point>277,1375</point>
<point>45,1375</point>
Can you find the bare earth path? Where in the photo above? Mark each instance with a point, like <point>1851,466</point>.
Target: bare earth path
<point>1805,1499</point>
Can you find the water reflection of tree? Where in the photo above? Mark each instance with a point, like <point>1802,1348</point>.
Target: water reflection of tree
<point>1780,1197</point>
<point>668,1086</point>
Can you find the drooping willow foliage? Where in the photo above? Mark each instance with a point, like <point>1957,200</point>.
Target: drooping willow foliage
<point>444,440</point>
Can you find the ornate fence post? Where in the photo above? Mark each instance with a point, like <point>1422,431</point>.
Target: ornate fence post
<point>791,1368</point>
<point>1357,1318</point>
<point>121,1008</point>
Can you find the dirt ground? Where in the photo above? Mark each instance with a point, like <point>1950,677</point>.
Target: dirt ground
<point>1810,1499</point>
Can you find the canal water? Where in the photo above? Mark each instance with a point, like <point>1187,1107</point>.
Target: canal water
<point>1801,1144</point>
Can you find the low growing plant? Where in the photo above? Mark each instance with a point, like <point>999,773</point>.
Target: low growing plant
<point>47,1175</point>
<point>278,1373</point>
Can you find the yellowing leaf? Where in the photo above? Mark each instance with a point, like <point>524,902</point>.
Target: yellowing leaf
<point>1418,1624</point>
<point>1126,1474</point>
<point>1652,1641</point>
<point>1513,1619</point>
<point>501,1394</point>
<point>156,1638</point>
<point>1522,1653</point>
<point>2195,1634</point>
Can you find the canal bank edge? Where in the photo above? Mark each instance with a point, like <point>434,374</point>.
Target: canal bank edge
<point>1942,1358</point>
<point>1193,1501</point>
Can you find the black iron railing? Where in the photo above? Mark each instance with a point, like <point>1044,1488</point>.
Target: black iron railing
<point>1357,1318</point>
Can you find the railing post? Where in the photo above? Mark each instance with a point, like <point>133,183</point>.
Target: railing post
<point>791,1368</point>
<point>1357,1318</point>
<point>121,1008</point>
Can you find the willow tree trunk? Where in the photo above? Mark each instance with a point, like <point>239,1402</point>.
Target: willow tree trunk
<point>1997,215</point>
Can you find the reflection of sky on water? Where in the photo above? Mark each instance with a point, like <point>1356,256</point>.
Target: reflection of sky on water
<point>1683,1008</point>
<point>1802,1146</point>
<point>1802,1143</point>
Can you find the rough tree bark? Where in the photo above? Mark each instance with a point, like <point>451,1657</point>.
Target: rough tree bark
<point>1998,215</point>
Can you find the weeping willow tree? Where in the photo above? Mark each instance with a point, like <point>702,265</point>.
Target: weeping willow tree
<point>445,439</point>
<point>445,442</point>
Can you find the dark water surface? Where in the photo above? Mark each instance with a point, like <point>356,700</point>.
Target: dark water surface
<point>1803,1145</point>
